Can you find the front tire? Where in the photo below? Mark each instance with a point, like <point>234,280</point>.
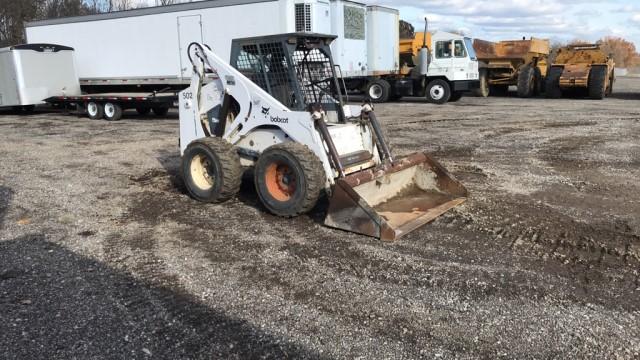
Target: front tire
<point>438,92</point>
<point>597,82</point>
<point>289,178</point>
<point>211,170</point>
<point>379,91</point>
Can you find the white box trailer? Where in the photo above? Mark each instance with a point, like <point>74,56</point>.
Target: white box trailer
<point>149,46</point>
<point>31,73</point>
<point>383,34</point>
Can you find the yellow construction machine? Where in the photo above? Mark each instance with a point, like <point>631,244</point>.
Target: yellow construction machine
<point>522,63</point>
<point>583,67</point>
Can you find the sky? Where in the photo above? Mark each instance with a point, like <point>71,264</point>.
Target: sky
<point>557,20</point>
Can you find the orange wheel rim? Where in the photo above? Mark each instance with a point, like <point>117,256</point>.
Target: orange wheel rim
<point>281,181</point>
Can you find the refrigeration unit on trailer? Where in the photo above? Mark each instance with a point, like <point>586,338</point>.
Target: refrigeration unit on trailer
<point>31,73</point>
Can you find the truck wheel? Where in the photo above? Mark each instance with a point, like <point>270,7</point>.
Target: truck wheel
<point>455,96</point>
<point>112,111</point>
<point>143,110</point>
<point>95,111</point>
<point>438,92</point>
<point>160,111</point>
<point>483,90</point>
<point>211,170</point>
<point>597,82</point>
<point>378,91</point>
<point>289,178</point>
<point>552,83</point>
<point>526,81</point>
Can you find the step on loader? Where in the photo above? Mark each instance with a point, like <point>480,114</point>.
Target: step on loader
<point>277,108</point>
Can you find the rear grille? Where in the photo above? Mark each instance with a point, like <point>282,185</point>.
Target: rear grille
<point>303,17</point>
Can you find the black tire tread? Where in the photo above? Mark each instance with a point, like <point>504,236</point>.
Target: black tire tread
<point>386,90</point>
<point>552,84</point>
<point>483,89</point>
<point>526,77</point>
<point>314,173</point>
<point>231,168</point>
<point>597,81</point>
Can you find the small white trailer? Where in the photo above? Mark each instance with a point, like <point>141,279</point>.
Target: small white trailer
<point>31,73</point>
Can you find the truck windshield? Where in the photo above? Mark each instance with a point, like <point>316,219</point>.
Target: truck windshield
<point>469,44</point>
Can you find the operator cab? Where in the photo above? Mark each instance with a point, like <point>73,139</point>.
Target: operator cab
<point>453,56</point>
<point>297,69</point>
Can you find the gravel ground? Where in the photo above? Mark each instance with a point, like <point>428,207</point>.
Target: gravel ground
<point>103,255</point>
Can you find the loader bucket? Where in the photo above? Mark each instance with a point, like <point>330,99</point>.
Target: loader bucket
<point>391,201</point>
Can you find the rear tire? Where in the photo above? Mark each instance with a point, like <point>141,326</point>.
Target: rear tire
<point>597,82</point>
<point>95,110</point>
<point>378,91</point>
<point>552,84</point>
<point>160,111</point>
<point>438,92</point>
<point>526,81</point>
<point>483,90</point>
<point>211,170</point>
<point>289,178</point>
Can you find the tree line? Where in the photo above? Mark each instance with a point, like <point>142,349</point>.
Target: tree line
<point>15,13</point>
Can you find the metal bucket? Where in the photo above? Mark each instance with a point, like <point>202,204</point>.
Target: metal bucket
<point>393,200</point>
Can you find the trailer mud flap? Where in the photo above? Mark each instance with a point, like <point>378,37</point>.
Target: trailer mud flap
<point>391,201</point>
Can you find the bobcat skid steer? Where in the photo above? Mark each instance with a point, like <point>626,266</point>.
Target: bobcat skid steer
<point>278,109</point>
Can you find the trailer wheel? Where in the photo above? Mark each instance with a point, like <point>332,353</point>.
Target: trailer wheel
<point>597,82</point>
<point>95,111</point>
<point>526,81</point>
<point>112,111</point>
<point>438,92</point>
<point>552,83</point>
<point>211,170</point>
<point>160,110</point>
<point>289,178</point>
<point>483,90</point>
<point>143,110</point>
<point>378,90</point>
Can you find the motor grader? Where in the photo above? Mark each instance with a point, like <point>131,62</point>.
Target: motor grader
<point>581,67</point>
<point>277,109</point>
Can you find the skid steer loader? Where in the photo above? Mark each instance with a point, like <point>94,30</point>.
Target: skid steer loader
<point>277,107</point>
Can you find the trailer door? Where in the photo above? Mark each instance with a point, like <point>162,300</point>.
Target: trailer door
<point>189,30</point>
